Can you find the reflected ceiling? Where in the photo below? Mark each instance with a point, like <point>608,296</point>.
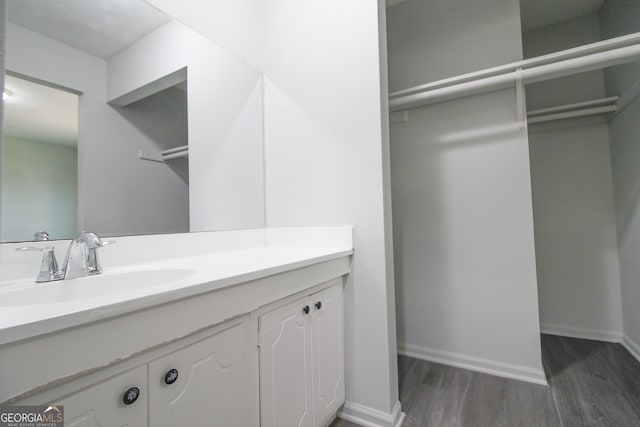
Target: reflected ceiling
<point>40,113</point>
<point>98,27</point>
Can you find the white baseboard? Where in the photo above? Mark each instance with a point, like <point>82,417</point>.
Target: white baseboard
<point>588,334</point>
<point>631,346</point>
<point>369,417</point>
<point>486,366</point>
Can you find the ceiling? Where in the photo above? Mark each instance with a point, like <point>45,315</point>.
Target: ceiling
<point>98,27</point>
<point>539,13</point>
<point>40,113</point>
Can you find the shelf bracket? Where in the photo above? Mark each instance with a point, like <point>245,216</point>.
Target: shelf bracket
<point>141,156</point>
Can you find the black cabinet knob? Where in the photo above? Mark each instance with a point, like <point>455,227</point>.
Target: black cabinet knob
<point>171,376</point>
<point>306,309</point>
<point>131,395</point>
<point>318,305</point>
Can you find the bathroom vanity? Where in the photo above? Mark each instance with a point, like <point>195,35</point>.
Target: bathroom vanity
<point>246,336</point>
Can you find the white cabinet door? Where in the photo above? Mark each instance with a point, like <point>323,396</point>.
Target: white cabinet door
<point>204,384</point>
<point>285,372</point>
<point>302,361</point>
<point>328,353</point>
<point>101,405</point>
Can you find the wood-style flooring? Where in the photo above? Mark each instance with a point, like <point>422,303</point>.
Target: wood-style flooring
<point>591,384</point>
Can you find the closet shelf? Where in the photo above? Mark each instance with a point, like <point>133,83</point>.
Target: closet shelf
<point>590,57</point>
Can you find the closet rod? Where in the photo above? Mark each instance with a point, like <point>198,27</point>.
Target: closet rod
<point>572,107</point>
<point>583,64</point>
<point>602,46</point>
<point>539,73</point>
<point>475,87</point>
<point>175,155</point>
<point>174,150</point>
<point>572,114</point>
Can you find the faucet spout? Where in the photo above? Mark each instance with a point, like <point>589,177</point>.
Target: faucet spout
<point>82,257</point>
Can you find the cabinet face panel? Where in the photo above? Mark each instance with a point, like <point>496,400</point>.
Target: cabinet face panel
<point>101,405</point>
<point>210,389</point>
<point>328,353</point>
<point>285,374</point>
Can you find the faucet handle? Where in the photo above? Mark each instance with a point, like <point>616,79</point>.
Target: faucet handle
<point>93,263</point>
<point>93,242</point>
<point>49,271</point>
<point>40,236</point>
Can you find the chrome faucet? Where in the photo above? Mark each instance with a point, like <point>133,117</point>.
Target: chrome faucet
<point>82,256</point>
<point>81,260</point>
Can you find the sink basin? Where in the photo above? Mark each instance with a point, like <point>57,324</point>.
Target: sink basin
<point>90,287</point>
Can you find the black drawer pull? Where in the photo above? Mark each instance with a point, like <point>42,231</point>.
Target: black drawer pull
<point>131,395</point>
<point>171,376</point>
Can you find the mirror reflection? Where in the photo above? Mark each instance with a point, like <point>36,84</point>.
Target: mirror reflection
<point>169,125</point>
<point>39,158</point>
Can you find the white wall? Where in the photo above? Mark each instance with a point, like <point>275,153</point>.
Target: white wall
<point>576,244</point>
<point>469,34</point>
<point>226,162</point>
<point>326,150</point>
<point>118,193</point>
<point>463,225</point>
<point>325,159</point>
<point>576,247</point>
<point>625,154</point>
<point>552,38</point>
<point>618,18</point>
<point>463,233</point>
<point>39,189</point>
<point>233,25</point>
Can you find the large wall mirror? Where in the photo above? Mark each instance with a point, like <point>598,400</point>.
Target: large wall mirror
<point>123,121</point>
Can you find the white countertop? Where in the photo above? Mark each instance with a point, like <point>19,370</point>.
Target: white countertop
<point>210,272</point>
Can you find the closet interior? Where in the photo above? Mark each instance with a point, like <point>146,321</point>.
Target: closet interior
<point>579,177</point>
<point>515,180</point>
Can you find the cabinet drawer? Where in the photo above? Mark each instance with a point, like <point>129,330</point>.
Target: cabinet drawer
<point>102,404</point>
<point>203,384</point>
